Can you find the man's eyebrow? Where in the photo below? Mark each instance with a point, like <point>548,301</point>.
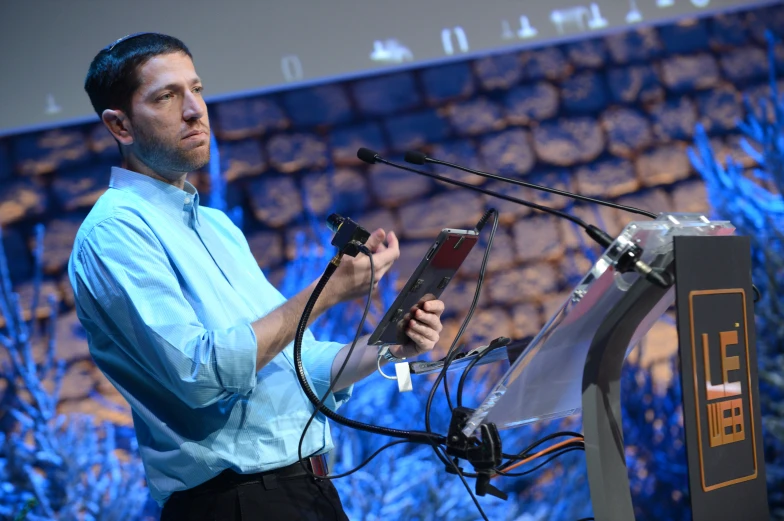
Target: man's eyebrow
<point>175,86</point>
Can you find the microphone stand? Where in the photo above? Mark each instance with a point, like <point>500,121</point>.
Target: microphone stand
<point>630,261</point>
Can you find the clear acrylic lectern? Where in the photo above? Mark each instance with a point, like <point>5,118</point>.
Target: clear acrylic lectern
<point>575,361</point>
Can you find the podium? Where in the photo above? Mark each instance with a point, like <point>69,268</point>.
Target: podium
<point>575,363</point>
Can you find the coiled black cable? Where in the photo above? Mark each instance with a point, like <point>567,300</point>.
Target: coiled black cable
<point>428,438</point>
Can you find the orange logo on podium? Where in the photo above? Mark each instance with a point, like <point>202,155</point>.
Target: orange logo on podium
<point>721,387</point>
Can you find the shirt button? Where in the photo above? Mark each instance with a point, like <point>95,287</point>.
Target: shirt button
<point>187,200</point>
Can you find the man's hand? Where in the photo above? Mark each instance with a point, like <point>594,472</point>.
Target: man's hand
<point>422,326</point>
<point>352,277</point>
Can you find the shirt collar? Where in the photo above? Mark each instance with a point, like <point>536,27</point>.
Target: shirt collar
<point>164,196</point>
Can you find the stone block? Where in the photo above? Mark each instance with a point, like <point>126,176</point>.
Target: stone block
<point>346,141</point>
<point>44,152</point>
<point>476,116</point>
<point>58,243</point>
<point>607,179</point>
<point>727,30</point>
<point>663,165</point>
<point>568,141</point>
<point>71,345</point>
<point>267,248</point>
<point>342,191</point>
<point>78,381</point>
<point>499,72</point>
<point>527,320</point>
<point>584,92</point>
<point>457,297</point>
<point>546,63</point>
<point>275,200</point>
<point>20,262</point>
<point>241,159</point>
<point>528,103</point>
<point>454,209</point>
<point>246,117</point>
<point>690,72</point>
<point>687,36</point>
<point>674,119</point>
<point>767,18</point>
<point>720,109</point>
<point>502,253</point>
<point>21,199</point>
<point>558,179</point>
<point>416,129</point>
<point>530,283</point>
<point>509,212</point>
<point>383,95</point>
<point>589,54</point>
<point>486,325</point>
<point>537,238</point>
<point>608,219</point>
<point>392,187</point>
<point>384,219</point>
<point>81,188</point>
<point>320,105</point>
<point>744,64</point>
<point>291,152</point>
<point>411,253</point>
<point>508,153</point>
<point>634,83</point>
<point>690,197</point>
<point>573,267</point>
<point>639,45</point>
<point>628,131</point>
<point>102,144</point>
<point>447,82</point>
<point>460,152</point>
<point>656,201</point>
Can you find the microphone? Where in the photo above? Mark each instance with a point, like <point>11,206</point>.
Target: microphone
<point>419,158</point>
<point>597,234</point>
<point>630,261</point>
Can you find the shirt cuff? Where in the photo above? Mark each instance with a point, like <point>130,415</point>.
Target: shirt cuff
<point>235,358</point>
<point>318,358</point>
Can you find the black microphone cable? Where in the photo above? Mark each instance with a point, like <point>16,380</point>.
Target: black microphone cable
<point>418,158</point>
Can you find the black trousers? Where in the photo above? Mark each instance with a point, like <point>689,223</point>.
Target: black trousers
<point>300,498</point>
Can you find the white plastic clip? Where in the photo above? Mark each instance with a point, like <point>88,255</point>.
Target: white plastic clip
<point>403,377</point>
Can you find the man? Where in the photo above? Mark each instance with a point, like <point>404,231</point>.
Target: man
<point>182,321</point>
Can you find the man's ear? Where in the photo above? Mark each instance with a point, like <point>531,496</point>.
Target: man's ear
<point>119,124</point>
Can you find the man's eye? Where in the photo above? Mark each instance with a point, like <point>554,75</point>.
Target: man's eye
<point>165,97</point>
<point>198,90</point>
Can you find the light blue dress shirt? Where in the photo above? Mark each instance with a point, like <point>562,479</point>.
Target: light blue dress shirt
<point>167,291</point>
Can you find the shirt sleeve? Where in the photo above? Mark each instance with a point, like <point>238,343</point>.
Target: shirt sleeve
<point>124,282</point>
<point>318,357</point>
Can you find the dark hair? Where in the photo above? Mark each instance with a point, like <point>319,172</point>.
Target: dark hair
<point>113,76</point>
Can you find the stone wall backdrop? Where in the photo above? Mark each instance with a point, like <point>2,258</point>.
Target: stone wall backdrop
<point>608,117</point>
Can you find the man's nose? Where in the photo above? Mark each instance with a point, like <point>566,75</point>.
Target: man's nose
<point>193,108</point>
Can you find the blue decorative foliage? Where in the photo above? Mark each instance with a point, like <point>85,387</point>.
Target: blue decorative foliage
<point>752,200</point>
<point>53,467</point>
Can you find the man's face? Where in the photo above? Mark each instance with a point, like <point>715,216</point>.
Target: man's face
<point>171,129</point>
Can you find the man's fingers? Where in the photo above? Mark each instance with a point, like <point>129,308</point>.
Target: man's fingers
<point>429,319</point>
<point>376,240</point>
<point>423,330</point>
<point>434,306</point>
<point>423,343</point>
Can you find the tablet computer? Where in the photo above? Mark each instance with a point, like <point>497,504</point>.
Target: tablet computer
<point>436,269</point>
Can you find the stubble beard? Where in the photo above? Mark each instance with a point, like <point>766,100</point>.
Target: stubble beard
<point>166,157</point>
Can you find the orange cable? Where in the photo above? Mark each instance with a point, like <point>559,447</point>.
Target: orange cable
<point>542,452</point>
